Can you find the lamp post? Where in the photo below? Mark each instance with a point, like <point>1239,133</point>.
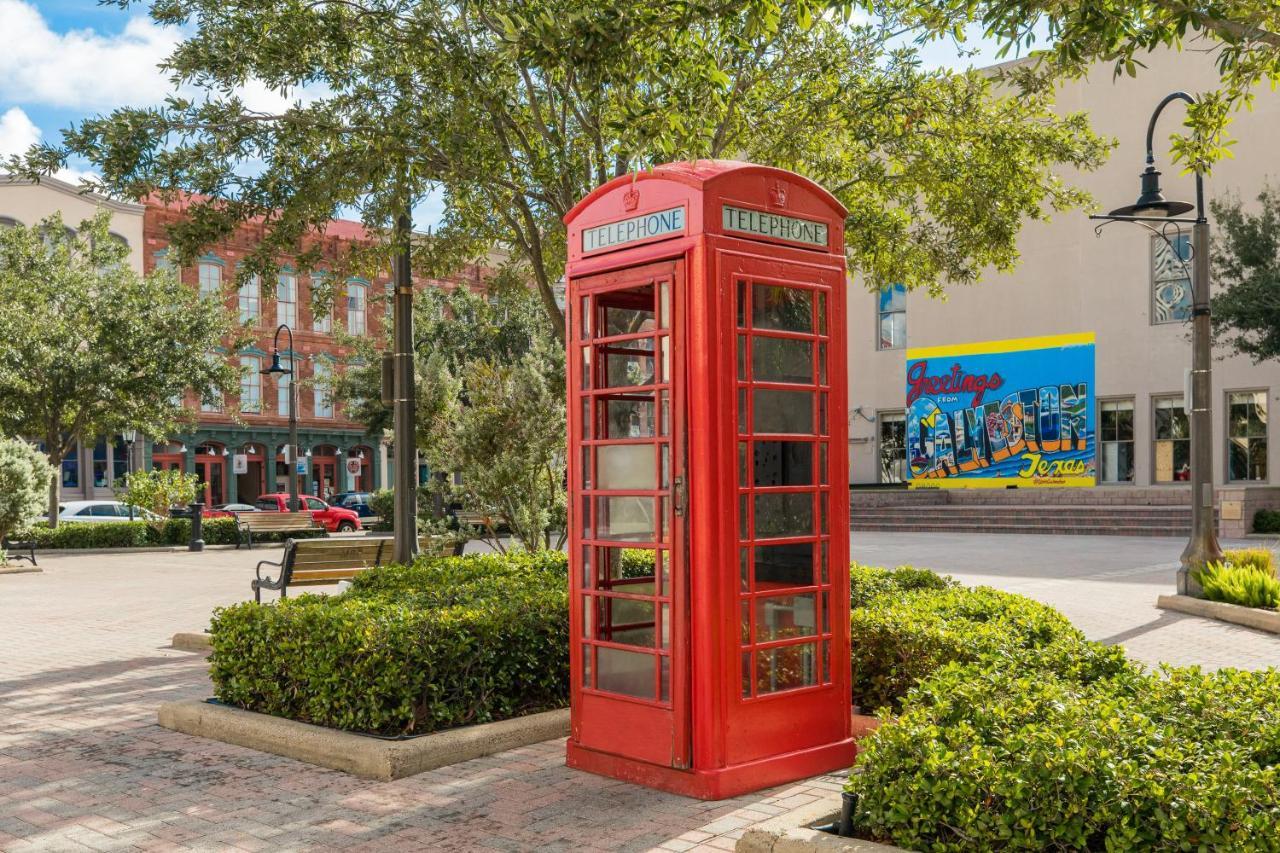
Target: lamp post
<point>279,370</point>
<point>129,436</point>
<point>406,482</point>
<point>1152,206</point>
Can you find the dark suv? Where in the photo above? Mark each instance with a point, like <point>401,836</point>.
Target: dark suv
<point>357,502</point>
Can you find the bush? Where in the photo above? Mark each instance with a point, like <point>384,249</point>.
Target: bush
<point>24,486</point>
<point>1256,558</point>
<point>990,758</point>
<point>408,649</point>
<point>138,534</point>
<point>869,582</point>
<point>1266,521</point>
<point>159,490</point>
<point>896,640</point>
<point>1244,585</point>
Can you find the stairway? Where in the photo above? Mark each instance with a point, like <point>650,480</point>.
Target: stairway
<point>1099,511</point>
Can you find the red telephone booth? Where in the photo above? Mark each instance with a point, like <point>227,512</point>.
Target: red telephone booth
<point>709,522</point>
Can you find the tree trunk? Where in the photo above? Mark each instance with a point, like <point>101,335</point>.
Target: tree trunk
<point>55,459</point>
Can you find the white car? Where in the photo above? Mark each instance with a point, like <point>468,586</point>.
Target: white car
<point>95,511</point>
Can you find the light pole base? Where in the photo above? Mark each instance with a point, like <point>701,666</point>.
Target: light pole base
<point>1187,584</point>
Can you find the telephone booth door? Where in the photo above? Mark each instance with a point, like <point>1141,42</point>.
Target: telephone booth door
<point>630,590</point>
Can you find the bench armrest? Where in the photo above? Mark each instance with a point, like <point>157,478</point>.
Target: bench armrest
<point>260,583</point>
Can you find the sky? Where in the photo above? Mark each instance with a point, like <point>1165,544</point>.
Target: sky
<point>66,60</point>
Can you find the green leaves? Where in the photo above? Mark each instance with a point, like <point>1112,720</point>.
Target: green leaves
<point>1246,275</point>
<point>24,482</point>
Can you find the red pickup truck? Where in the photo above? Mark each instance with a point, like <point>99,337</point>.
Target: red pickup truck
<point>335,519</point>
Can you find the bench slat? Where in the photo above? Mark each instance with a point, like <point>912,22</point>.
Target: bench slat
<point>327,576</point>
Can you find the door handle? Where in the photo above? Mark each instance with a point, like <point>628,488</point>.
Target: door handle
<point>679,496</point>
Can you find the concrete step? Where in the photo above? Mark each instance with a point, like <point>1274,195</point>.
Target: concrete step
<point>1052,528</point>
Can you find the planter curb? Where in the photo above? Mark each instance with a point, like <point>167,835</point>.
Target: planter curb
<point>188,641</point>
<point>366,757</point>
<point>20,570</point>
<point>782,835</point>
<point>1249,617</point>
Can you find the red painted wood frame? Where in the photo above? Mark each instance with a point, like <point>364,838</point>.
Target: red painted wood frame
<point>708,480</point>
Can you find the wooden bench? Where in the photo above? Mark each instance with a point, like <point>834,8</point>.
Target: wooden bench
<point>10,547</point>
<point>248,523</point>
<point>323,562</point>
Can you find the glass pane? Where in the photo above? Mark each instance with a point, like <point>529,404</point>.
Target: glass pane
<point>742,357</point>
<point>627,570</point>
<point>778,566</point>
<point>625,518</point>
<point>584,317</point>
<point>664,413</point>
<point>586,565</point>
<point>782,411</point>
<point>742,304</point>
<point>787,514</point>
<point>586,467</point>
<point>744,609</point>
<point>785,308</point>
<point>746,673</point>
<point>742,464</point>
<point>664,678</point>
<point>586,666</point>
<point>785,668</point>
<point>666,626</point>
<point>624,620</point>
<point>625,466</point>
<point>781,360</point>
<point>822,312</point>
<point>627,312</point>
<point>628,673</point>
<point>742,410</point>
<point>823,575</point>
<point>664,305</point>
<point>822,364</point>
<point>628,417</point>
<point>744,568</point>
<point>744,518</point>
<point>586,367</point>
<point>783,463</point>
<point>625,368</point>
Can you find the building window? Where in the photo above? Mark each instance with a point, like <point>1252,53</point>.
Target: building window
<point>71,470</point>
<point>893,317</point>
<point>320,324</point>
<point>251,301</point>
<point>212,402</point>
<point>250,384</point>
<point>287,299</point>
<point>357,299</point>
<point>101,466</point>
<point>321,372</point>
<point>1171,279</point>
<point>282,393</point>
<point>1172,440</point>
<point>891,428</point>
<point>210,280</point>
<point>1116,435</point>
<point>1247,435</point>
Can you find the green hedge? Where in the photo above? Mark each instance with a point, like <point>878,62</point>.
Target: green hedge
<point>139,534</point>
<point>1266,521</point>
<point>442,643</point>
<point>994,758</point>
<point>867,583</point>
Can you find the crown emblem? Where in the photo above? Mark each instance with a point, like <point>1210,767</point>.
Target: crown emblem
<point>778,195</point>
<point>631,199</point>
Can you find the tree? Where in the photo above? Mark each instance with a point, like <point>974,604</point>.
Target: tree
<point>1243,36</point>
<point>1246,273</point>
<point>24,476</point>
<point>159,491</point>
<point>491,405</point>
<point>89,348</point>
<point>514,109</point>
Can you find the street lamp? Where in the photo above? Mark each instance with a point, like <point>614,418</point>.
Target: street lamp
<point>1152,206</point>
<point>129,436</point>
<point>279,370</point>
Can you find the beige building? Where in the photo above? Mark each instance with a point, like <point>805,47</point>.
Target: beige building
<point>89,472</point>
<point>1124,286</point>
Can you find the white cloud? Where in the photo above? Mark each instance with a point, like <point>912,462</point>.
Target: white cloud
<point>80,69</point>
<point>18,133</point>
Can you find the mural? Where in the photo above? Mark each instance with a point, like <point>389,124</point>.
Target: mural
<point>1002,413</point>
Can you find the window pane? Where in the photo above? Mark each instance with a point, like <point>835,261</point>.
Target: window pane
<point>782,411</point>
<point>785,668</point>
<point>630,417</point>
<point>628,673</point>
<point>785,308</point>
<point>783,463</point>
<point>626,368</point>
<point>893,298</point>
<point>625,518</point>
<point>627,312</point>
<point>778,566</point>
<point>625,620</point>
<point>625,466</point>
<point>788,514</point>
<point>786,616</point>
<point>781,360</point>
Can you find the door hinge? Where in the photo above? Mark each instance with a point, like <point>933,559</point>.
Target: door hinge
<point>679,495</point>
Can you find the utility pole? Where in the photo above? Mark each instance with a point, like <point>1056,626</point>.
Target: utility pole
<point>405,402</point>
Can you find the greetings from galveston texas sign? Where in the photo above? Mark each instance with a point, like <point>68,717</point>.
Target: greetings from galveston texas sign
<point>1001,413</point>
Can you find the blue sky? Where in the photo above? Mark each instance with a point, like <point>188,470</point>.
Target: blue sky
<point>64,60</point>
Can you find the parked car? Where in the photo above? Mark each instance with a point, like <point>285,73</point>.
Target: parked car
<point>357,502</point>
<point>207,512</point>
<point>335,519</point>
<point>98,511</point>
<point>234,508</point>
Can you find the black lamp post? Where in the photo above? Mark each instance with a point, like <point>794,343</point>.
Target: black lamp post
<point>279,370</point>
<point>1150,207</point>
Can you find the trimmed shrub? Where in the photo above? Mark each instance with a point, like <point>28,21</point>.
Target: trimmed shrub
<point>1255,558</point>
<point>139,534</point>
<point>991,758</point>
<point>1266,521</point>
<point>869,582</point>
<point>1240,584</point>
<point>24,485</point>
<point>898,639</point>
<point>443,642</point>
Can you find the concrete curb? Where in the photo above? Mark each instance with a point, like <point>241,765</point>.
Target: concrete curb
<point>782,835</point>
<point>150,549</point>
<point>188,641</point>
<point>366,757</point>
<point>1249,617</point>
<point>20,570</point>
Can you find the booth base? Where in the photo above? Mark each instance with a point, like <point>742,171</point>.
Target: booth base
<point>719,783</point>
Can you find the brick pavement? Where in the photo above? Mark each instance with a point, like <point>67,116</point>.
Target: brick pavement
<point>84,664</point>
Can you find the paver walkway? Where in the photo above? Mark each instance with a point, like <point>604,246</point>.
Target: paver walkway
<point>84,664</point>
